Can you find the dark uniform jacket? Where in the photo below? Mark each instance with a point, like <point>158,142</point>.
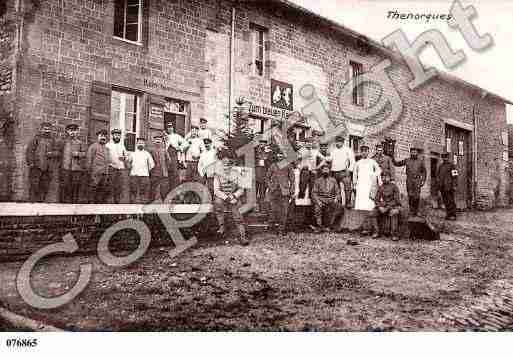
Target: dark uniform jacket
<point>385,163</point>
<point>74,155</point>
<point>326,190</point>
<point>98,159</point>
<point>415,173</point>
<point>43,152</point>
<point>388,195</point>
<point>261,164</point>
<point>281,179</point>
<point>446,177</point>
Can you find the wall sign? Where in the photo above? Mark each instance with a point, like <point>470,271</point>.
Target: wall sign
<point>282,95</point>
<point>264,111</point>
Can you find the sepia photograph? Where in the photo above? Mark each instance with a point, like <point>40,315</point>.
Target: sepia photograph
<point>243,166</point>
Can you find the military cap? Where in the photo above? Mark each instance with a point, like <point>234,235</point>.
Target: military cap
<point>379,145</point>
<point>203,120</point>
<point>364,147</point>
<point>445,154</point>
<point>340,138</point>
<point>115,130</point>
<point>157,136</point>
<point>414,148</point>
<point>102,132</point>
<point>207,140</point>
<point>141,139</point>
<point>194,126</point>
<point>326,164</point>
<point>386,173</point>
<point>71,126</point>
<point>323,143</point>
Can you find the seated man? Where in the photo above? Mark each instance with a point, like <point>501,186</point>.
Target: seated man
<point>227,193</point>
<point>388,204</point>
<point>326,199</point>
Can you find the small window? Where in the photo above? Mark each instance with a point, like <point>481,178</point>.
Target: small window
<point>354,143</point>
<point>128,20</point>
<point>257,125</point>
<point>125,115</point>
<point>357,70</point>
<point>258,38</point>
<point>3,8</point>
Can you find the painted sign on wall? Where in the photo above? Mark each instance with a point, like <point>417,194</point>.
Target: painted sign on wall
<point>282,95</point>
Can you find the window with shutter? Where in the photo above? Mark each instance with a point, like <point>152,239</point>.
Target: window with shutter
<point>100,110</point>
<point>357,70</point>
<point>126,115</point>
<point>128,20</point>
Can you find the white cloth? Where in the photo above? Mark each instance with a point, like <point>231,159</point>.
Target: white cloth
<point>343,159</point>
<point>205,133</point>
<point>141,163</point>
<point>117,150</point>
<point>207,163</point>
<point>175,140</point>
<point>365,179</point>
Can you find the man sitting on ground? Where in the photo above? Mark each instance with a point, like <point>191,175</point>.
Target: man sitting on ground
<point>326,199</point>
<point>388,204</point>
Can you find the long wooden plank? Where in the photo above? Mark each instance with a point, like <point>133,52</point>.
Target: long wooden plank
<point>59,209</point>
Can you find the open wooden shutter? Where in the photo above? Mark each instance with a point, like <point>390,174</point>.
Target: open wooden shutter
<point>155,115</point>
<point>145,30</point>
<point>99,116</point>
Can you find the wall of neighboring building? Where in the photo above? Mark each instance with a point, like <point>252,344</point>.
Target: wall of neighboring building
<point>8,44</point>
<point>510,167</point>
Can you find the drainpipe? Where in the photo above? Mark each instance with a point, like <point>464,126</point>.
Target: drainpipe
<point>232,69</point>
<point>474,157</point>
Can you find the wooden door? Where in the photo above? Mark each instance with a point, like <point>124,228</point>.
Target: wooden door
<point>458,146</point>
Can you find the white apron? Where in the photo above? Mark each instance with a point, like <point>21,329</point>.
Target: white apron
<point>365,176</point>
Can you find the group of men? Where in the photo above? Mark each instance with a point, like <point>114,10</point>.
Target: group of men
<point>111,174</point>
<point>333,177</point>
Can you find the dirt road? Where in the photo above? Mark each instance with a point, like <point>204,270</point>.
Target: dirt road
<point>298,282</point>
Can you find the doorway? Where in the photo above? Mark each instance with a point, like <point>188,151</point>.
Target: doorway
<point>457,143</point>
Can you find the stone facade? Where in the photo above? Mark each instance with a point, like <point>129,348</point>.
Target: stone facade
<point>185,54</point>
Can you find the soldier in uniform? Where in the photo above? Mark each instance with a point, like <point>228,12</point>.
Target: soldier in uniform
<point>385,162</point>
<point>342,167</point>
<point>73,166</point>
<point>42,154</point>
<point>118,171</point>
<point>326,198</point>
<point>98,163</point>
<point>261,166</point>
<point>447,180</point>
<point>174,144</point>
<point>159,175</point>
<point>281,192</point>
<point>227,194</point>
<point>388,204</point>
<point>415,178</point>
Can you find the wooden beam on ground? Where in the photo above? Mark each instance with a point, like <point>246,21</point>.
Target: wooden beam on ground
<point>58,209</point>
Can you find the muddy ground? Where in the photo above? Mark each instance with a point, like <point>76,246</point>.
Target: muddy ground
<point>301,282</point>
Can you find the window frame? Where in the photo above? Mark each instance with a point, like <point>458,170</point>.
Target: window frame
<point>258,32</point>
<point>139,23</point>
<point>122,112</point>
<point>357,93</point>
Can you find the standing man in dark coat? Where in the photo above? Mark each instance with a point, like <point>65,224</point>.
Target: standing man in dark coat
<point>385,162</point>
<point>174,145</point>
<point>262,154</point>
<point>447,180</point>
<point>73,166</point>
<point>159,175</point>
<point>388,204</point>
<point>281,187</point>
<point>42,153</point>
<point>415,178</point>
<point>98,164</point>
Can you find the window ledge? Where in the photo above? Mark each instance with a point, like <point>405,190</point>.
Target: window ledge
<point>137,43</point>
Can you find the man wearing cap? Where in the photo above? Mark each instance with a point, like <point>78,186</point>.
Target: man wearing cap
<point>322,157</point>
<point>118,171</point>
<point>415,178</point>
<point>204,131</point>
<point>447,180</point>
<point>262,154</point>
<point>326,198</point>
<point>98,164</point>
<point>388,205</point>
<point>73,166</point>
<point>141,163</point>
<point>342,167</point>
<point>43,153</point>
<point>306,167</point>
<point>281,187</point>
<point>174,143</point>
<point>193,145</point>
<point>159,175</point>
<point>207,165</point>
<point>385,162</point>
<point>227,196</point>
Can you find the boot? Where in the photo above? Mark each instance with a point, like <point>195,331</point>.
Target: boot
<point>221,229</point>
<point>242,232</point>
